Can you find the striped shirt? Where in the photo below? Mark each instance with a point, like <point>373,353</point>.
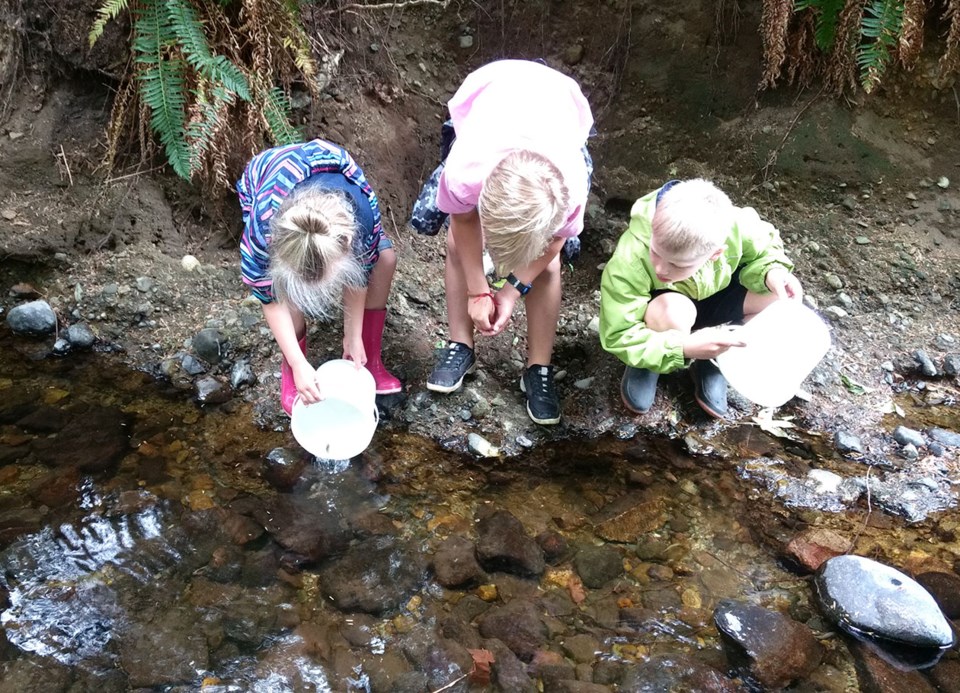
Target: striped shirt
<point>269,178</point>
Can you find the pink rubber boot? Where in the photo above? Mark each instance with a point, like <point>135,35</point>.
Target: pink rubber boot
<point>372,338</point>
<point>288,386</point>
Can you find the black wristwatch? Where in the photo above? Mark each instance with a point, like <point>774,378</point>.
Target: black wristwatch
<point>524,289</point>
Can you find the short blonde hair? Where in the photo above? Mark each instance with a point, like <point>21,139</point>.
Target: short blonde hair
<point>311,250</point>
<point>522,204</point>
<point>692,219</point>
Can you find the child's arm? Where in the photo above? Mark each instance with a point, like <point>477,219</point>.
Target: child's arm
<point>280,320</point>
<point>468,238</point>
<point>506,298</point>
<point>762,251</point>
<point>354,299</point>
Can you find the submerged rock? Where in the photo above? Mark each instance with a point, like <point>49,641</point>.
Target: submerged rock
<point>517,624</point>
<point>598,565</point>
<point>505,545</point>
<point>773,648</point>
<point>815,545</point>
<point>675,673</point>
<point>374,576</point>
<point>455,562</point>
<point>867,598</point>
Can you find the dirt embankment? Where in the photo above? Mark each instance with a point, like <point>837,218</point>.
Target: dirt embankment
<point>853,188</point>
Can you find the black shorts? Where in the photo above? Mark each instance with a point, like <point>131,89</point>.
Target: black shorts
<point>725,306</point>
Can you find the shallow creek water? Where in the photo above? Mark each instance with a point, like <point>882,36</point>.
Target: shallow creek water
<point>146,543</point>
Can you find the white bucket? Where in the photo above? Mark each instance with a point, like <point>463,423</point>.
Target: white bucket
<point>342,424</point>
<point>785,341</point>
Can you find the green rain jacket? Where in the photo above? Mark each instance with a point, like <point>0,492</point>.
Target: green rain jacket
<point>753,245</point>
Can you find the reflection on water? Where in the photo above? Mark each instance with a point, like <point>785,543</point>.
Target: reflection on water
<point>161,557</point>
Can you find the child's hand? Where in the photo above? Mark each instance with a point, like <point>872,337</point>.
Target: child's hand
<point>353,351</point>
<point>505,301</point>
<point>305,378</point>
<point>482,311</point>
<point>710,342</point>
<point>783,284</point>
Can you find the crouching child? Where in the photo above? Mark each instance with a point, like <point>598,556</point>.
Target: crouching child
<point>689,268</point>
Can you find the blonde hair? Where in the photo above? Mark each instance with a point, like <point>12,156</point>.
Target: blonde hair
<point>692,219</point>
<point>522,204</point>
<point>311,250</point>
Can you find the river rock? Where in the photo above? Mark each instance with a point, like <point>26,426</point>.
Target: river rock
<point>33,319</point>
<point>191,365</point>
<point>598,565</point>
<point>908,436</point>
<point>80,336</point>
<point>211,390</point>
<point>945,589</point>
<point>504,545</point>
<point>242,375</point>
<point>92,441</point>
<point>374,576</point>
<point>209,344</point>
<point>815,545</point>
<point>876,675</point>
<point>675,672</point>
<point>163,652</point>
<point>509,672</point>
<point>949,438</point>
<point>847,442</point>
<point>455,562</point>
<point>283,467</point>
<point>872,599</point>
<point>629,517</point>
<point>926,365</point>
<point>773,648</point>
<point>517,624</point>
<point>554,545</point>
<point>951,365</point>
<point>310,527</point>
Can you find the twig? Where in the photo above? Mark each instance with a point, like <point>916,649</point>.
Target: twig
<point>66,165</point>
<point>866,518</point>
<point>957,100</point>
<point>772,159</point>
<point>390,5</point>
<point>451,684</point>
<point>131,175</point>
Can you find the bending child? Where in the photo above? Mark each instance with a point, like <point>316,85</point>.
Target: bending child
<point>515,180</point>
<point>689,265</point>
<point>312,233</point>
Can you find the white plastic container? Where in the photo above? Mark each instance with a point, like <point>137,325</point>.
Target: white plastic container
<point>342,424</point>
<point>785,341</point>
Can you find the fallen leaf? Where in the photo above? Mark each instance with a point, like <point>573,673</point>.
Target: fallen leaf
<point>482,659</point>
<point>775,427</point>
<point>853,386</point>
<point>575,587</point>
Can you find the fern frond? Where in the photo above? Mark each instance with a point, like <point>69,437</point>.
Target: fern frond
<point>950,60</point>
<point>189,32</point>
<point>276,115</point>
<point>207,122</point>
<point>162,83</point>
<point>828,15</point>
<point>880,29</point>
<point>107,12</point>
<point>775,19</point>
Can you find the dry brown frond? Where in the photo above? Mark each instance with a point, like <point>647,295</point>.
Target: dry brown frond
<point>841,68</point>
<point>911,35</point>
<point>773,33</point>
<point>803,58</point>
<point>117,125</point>
<point>950,61</point>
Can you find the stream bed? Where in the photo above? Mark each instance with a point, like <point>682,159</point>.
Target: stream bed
<point>147,543</point>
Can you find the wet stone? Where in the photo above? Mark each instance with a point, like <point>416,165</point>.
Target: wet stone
<point>504,545</point>
<point>33,319</point>
<point>374,576</point>
<point>773,648</point>
<point>675,673</point>
<point>92,441</point>
<point>209,344</point>
<point>945,589</point>
<point>847,442</point>
<point>191,365</point>
<point>651,549</point>
<point>581,648</point>
<point>311,528</point>
<point>944,437</point>
<point>509,673</point>
<point>875,675</point>
<point>455,562</point>
<point>167,651</point>
<point>554,546</point>
<point>869,598</point>
<point>926,365</point>
<point>629,517</point>
<point>518,625</point>
<point>80,336</point>
<point>443,660</point>
<point>908,436</point>
<point>210,390</point>
<point>598,565</point>
<point>814,546</point>
<point>283,467</point>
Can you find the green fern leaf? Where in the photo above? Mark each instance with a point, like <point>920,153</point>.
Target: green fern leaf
<point>107,12</point>
<point>828,16</point>
<point>217,68</point>
<point>203,128</point>
<point>880,28</point>
<point>162,83</point>
<point>276,113</point>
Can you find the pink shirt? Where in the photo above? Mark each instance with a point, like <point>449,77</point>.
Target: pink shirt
<point>509,105</point>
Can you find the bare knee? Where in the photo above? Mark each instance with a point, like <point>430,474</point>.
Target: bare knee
<point>387,263</point>
<point>670,311</point>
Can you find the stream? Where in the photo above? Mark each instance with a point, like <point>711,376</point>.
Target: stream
<point>148,543</point>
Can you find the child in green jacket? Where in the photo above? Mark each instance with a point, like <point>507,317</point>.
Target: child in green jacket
<point>689,265</point>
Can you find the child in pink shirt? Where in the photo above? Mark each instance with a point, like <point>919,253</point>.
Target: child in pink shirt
<point>515,180</point>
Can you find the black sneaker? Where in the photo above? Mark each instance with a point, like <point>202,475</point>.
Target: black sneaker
<point>542,403</point>
<point>710,388</point>
<point>638,387</point>
<point>455,362</point>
